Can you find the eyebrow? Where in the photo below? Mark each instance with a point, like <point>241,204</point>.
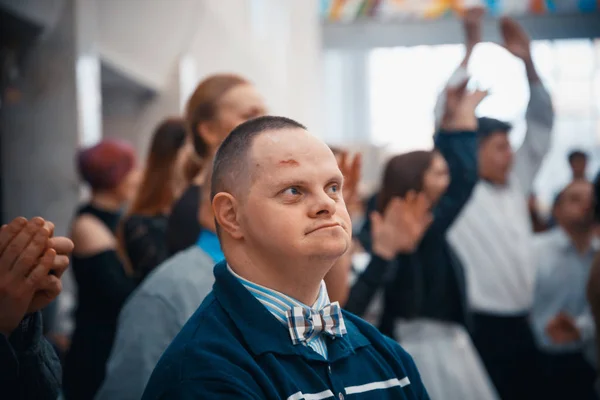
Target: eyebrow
<point>301,182</point>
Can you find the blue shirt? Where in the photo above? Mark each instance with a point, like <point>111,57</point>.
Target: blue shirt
<point>234,348</point>
<point>209,243</point>
<point>278,304</point>
<point>561,279</point>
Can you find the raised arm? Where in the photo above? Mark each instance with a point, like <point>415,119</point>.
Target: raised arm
<point>540,114</point>
<point>457,142</point>
<point>460,152</point>
<point>472,31</point>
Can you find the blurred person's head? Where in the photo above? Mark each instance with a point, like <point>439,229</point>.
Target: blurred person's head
<point>277,199</point>
<point>220,103</point>
<point>578,164</point>
<point>156,191</point>
<point>110,169</point>
<point>187,166</point>
<point>573,207</point>
<point>495,152</point>
<point>206,218</point>
<point>417,171</point>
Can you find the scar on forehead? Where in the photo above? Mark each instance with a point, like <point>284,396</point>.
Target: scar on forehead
<point>290,162</point>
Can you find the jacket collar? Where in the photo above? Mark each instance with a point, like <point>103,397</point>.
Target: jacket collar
<point>265,334</point>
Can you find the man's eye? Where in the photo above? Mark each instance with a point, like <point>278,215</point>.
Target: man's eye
<point>293,191</point>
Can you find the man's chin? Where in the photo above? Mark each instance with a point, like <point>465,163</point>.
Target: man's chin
<point>329,249</point>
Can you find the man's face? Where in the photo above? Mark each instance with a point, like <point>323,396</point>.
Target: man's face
<point>495,158</point>
<point>575,209</point>
<point>294,209</point>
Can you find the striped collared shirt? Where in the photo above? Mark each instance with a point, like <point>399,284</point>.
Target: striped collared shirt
<point>278,304</point>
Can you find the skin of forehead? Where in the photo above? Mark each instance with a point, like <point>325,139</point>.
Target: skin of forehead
<point>270,150</point>
<point>288,145</point>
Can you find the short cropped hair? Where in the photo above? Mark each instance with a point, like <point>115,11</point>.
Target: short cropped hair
<point>488,126</point>
<point>577,154</point>
<point>232,156</point>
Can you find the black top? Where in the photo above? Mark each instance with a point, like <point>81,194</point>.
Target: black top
<point>428,283</point>
<point>29,367</point>
<point>102,288</point>
<point>183,227</point>
<point>145,244</point>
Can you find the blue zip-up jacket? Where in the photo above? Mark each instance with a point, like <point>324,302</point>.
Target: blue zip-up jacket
<point>234,348</point>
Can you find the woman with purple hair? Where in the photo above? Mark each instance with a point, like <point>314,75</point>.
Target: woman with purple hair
<point>109,168</point>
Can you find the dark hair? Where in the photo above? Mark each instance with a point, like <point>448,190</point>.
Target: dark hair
<point>155,191</point>
<point>203,104</point>
<point>402,174</point>
<point>488,126</point>
<point>232,155</point>
<point>105,165</point>
<point>577,154</point>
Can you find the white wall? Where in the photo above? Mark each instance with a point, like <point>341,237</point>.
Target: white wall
<point>274,43</point>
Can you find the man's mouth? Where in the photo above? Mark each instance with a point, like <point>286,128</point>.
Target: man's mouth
<point>325,226</point>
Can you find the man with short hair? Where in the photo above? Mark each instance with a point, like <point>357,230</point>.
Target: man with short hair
<point>267,330</point>
<point>493,235</point>
<point>561,315</point>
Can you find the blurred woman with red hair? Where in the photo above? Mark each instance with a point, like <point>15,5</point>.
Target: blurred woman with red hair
<point>110,170</point>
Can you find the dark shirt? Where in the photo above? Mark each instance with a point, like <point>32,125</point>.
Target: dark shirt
<point>183,227</point>
<point>234,348</point>
<point>29,367</point>
<point>102,288</point>
<point>145,245</point>
<point>428,283</point>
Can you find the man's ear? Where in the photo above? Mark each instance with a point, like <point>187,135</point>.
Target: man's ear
<point>225,208</point>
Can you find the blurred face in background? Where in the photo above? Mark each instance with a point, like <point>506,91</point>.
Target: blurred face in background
<point>237,105</point>
<point>574,209</point>
<point>128,187</point>
<point>495,158</point>
<point>436,178</point>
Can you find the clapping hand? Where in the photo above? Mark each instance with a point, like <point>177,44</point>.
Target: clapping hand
<point>402,225</point>
<point>516,39</point>
<point>350,167</point>
<point>31,264</point>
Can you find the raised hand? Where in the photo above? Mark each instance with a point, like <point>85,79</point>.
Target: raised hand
<point>350,167</point>
<point>22,271</point>
<point>562,329</point>
<point>459,112</point>
<point>402,225</point>
<point>516,39</point>
<point>472,20</point>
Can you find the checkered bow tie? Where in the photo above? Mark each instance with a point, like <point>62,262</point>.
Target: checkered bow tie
<point>305,323</point>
